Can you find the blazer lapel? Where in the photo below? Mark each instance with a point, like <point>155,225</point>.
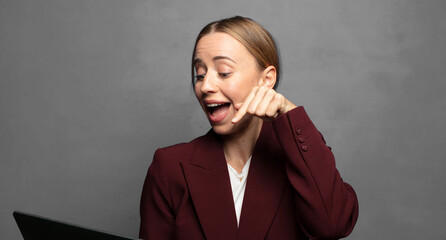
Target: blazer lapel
<point>209,186</point>
<point>265,186</point>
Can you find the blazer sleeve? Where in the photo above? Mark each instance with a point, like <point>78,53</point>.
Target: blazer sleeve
<point>157,220</point>
<point>327,207</point>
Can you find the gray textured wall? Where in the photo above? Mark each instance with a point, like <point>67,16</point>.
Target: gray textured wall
<point>88,89</point>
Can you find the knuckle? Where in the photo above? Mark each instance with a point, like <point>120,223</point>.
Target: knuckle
<point>279,96</point>
<point>271,110</point>
<point>271,94</point>
<point>268,113</point>
<point>260,112</point>
<point>250,110</point>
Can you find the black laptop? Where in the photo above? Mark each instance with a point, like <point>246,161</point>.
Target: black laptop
<point>35,227</point>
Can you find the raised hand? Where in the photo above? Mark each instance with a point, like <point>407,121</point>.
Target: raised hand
<point>264,103</point>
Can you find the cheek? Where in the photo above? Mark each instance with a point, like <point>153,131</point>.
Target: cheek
<point>233,88</point>
<point>197,90</point>
<point>237,91</point>
<point>246,83</point>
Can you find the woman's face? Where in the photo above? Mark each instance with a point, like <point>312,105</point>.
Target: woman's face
<point>226,73</point>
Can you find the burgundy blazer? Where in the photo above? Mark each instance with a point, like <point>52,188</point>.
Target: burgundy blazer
<point>293,189</point>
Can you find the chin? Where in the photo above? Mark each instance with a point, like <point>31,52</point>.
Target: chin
<point>223,129</point>
<point>228,128</point>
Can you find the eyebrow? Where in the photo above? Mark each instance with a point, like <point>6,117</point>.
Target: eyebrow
<point>197,60</point>
<point>223,57</point>
<point>216,58</point>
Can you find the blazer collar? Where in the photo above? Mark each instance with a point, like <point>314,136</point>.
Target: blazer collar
<point>265,186</point>
<point>210,189</point>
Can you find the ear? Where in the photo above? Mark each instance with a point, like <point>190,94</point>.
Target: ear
<point>268,77</point>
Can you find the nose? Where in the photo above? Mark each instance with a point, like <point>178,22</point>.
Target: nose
<point>209,85</point>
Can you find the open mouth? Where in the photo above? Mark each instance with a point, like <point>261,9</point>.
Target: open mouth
<point>217,109</point>
<point>217,112</point>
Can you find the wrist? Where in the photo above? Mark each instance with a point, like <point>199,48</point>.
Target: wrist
<point>288,106</point>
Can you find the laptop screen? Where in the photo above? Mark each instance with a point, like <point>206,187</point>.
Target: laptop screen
<point>35,227</point>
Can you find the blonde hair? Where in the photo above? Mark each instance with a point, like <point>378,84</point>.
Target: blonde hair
<point>252,35</point>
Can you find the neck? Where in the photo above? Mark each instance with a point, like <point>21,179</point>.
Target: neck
<point>238,147</point>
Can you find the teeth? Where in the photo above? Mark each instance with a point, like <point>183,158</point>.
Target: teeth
<point>214,104</point>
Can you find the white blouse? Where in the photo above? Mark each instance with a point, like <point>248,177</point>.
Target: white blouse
<point>238,185</point>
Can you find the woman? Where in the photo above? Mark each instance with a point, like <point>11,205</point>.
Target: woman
<point>263,171</point>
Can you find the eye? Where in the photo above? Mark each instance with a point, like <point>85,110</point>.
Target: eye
<point>224,75</point>
<point>199,77</point>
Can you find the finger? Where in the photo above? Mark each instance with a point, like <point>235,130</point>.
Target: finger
<point>276,104</point>
<point>242,110</point>
<point>256,100</point>
<point>265,103</point>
